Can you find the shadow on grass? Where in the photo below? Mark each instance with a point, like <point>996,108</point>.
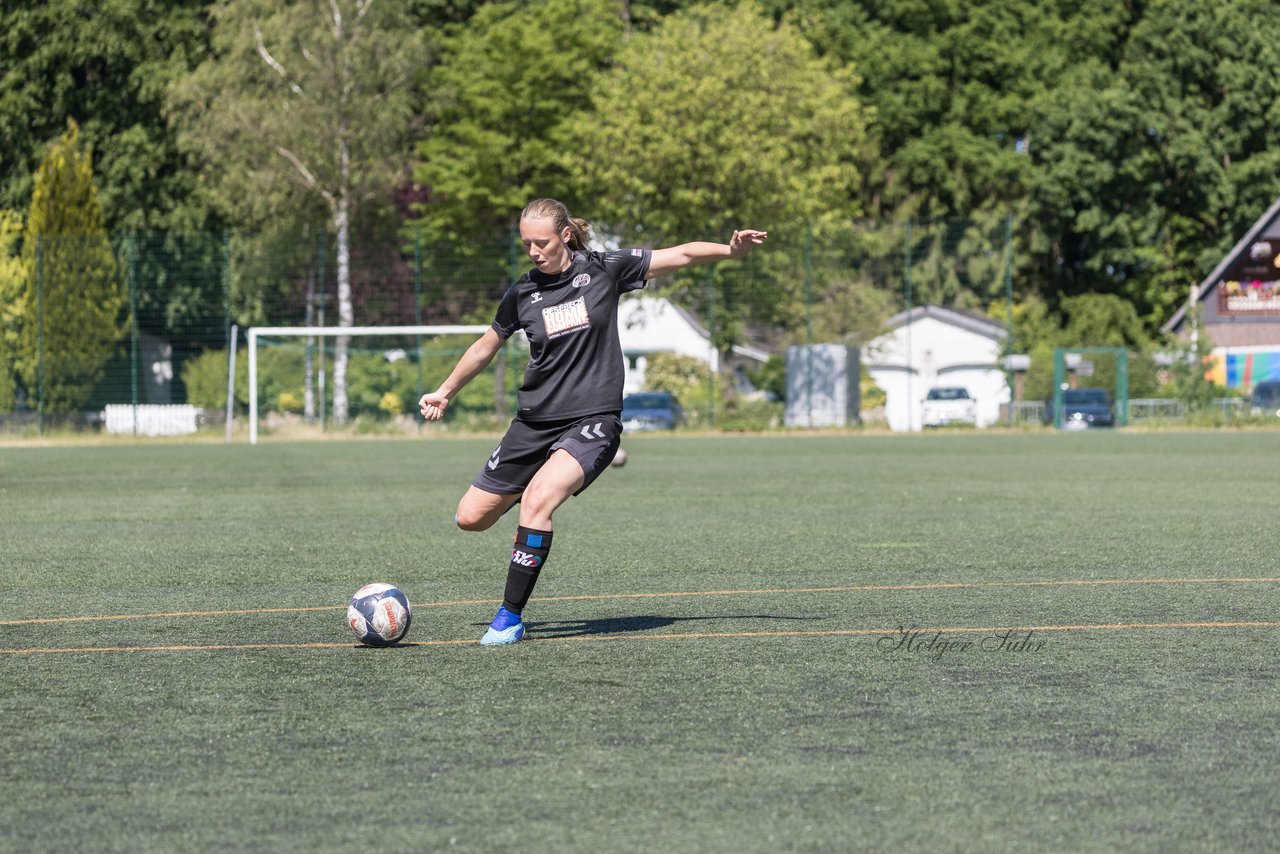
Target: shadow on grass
<point>623,625</point>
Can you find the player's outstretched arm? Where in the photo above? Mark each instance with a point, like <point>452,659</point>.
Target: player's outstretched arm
<point>669,260</point>
<point>433,404</point>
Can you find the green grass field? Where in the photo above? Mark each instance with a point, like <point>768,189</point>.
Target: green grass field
<point>721,654</point>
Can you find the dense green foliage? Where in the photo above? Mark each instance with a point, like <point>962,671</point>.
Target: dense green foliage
<point>106,64</point>
<point>496,114</point>
<point>11,287</point>
<point>304,106</point>
<point>1129,144</point>
<point>298,108</point>
<point>72,302</point>
<point>689,380</point>
<point>380,387</point>
<point>780,137</point>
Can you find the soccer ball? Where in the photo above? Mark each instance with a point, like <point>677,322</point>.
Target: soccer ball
<point>619,459</point>
<point>379,614</point>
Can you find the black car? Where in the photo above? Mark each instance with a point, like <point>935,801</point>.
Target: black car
<point>651,410</point>
<point>1084,407</point>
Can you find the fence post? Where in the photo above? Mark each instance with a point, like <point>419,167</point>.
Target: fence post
<point>417,318</point>
<point>226,286</point>
<point>40,332</point>
<point>808,318</point>
<point>1122,387</point>
<point>231,381</point>
<point>322,298</point>
<point>906,282</point>
<point>712,352</point>
<point>1008,310</point>
<point>133,327</point>
<point>253,386</point>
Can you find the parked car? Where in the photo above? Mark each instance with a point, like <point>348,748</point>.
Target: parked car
<point>1083,408</point>
<point>1266,398</point>
<point>949,405</point>
<point>651,410</point>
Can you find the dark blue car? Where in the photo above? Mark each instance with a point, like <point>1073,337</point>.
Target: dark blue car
<point>1266,398</point>
<point>651,410</point>
<point>1083,408</point>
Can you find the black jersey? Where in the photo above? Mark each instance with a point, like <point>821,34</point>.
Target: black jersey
<point>571,319</point>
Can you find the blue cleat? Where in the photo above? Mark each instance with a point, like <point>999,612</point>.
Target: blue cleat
<point>505,628</point>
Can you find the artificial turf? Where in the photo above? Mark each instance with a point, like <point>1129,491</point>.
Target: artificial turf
<point>740,643</point>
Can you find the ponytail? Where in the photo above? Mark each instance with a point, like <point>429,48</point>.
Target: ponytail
<point>580,233</point>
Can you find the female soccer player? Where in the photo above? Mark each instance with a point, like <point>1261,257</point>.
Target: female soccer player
<point>567,428</point>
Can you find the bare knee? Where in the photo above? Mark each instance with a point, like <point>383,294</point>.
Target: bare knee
<point>479,510</point>
<point>538,504</point>
<point>469,520</point>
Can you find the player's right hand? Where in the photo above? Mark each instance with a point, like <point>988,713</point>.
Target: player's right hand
<point>432,406</point>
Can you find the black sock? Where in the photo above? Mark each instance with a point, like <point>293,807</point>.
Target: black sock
<point>527,558</point>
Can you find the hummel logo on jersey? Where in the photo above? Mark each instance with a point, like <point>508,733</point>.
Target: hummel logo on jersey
<point>525,559</point>
<point>582,280</point>
<point>493,459</point>
<point>592,431</point>
<point>536,297</point>
<point>566,317</point>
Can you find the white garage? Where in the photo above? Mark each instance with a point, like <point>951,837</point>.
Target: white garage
<point>930,346</point>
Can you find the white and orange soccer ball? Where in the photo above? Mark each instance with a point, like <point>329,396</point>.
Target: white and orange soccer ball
<point>379,614</point>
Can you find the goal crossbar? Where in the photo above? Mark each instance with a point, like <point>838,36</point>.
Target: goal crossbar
<point>255,332</point>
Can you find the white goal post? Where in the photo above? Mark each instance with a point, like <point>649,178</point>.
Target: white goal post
<point>255,332</point>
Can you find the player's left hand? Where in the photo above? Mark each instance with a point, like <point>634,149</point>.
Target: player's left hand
<point>432,405</point>
<point>744,239</point>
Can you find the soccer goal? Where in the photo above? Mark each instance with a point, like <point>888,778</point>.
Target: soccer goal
<point>1098,391</point>
<point>386,365</point>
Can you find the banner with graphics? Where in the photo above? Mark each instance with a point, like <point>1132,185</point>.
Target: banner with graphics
<point>1244,367</point>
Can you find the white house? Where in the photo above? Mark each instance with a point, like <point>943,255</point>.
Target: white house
<point>930,346</point>
<point>648,325</point>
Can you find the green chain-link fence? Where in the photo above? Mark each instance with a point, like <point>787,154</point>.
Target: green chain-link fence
<point>147,319</point>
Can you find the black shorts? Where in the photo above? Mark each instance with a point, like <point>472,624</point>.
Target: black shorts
<point>592,440</point>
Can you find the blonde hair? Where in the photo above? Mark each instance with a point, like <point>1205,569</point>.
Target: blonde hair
<point>579,229</point>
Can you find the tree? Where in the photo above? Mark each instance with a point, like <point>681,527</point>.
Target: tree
<point>1091,320</point>
<point>495,117</point>
<point>715,119</point>
<point>72,302</point>
<point>303,112</point>
<point>950,84</point>
<point>106,62</point>
<point>11,285</point>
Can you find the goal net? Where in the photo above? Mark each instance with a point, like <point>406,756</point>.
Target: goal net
<point>291,373</point>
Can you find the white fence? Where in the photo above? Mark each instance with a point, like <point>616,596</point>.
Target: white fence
<point>151,419</point>
<point>1023,412</point>
<point>1156,409</point>
<point>1168,409</point>
<point>1147,410</point>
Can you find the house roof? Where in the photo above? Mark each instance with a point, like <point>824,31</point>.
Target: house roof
<point>967,320</point>
<point>753,353</point>
<point>690,320</point>
<point>1210,282</point>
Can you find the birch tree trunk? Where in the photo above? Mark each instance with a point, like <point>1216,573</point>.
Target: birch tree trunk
<point>342,208</point>
<point>346,316</point>
<point>324,86</point>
